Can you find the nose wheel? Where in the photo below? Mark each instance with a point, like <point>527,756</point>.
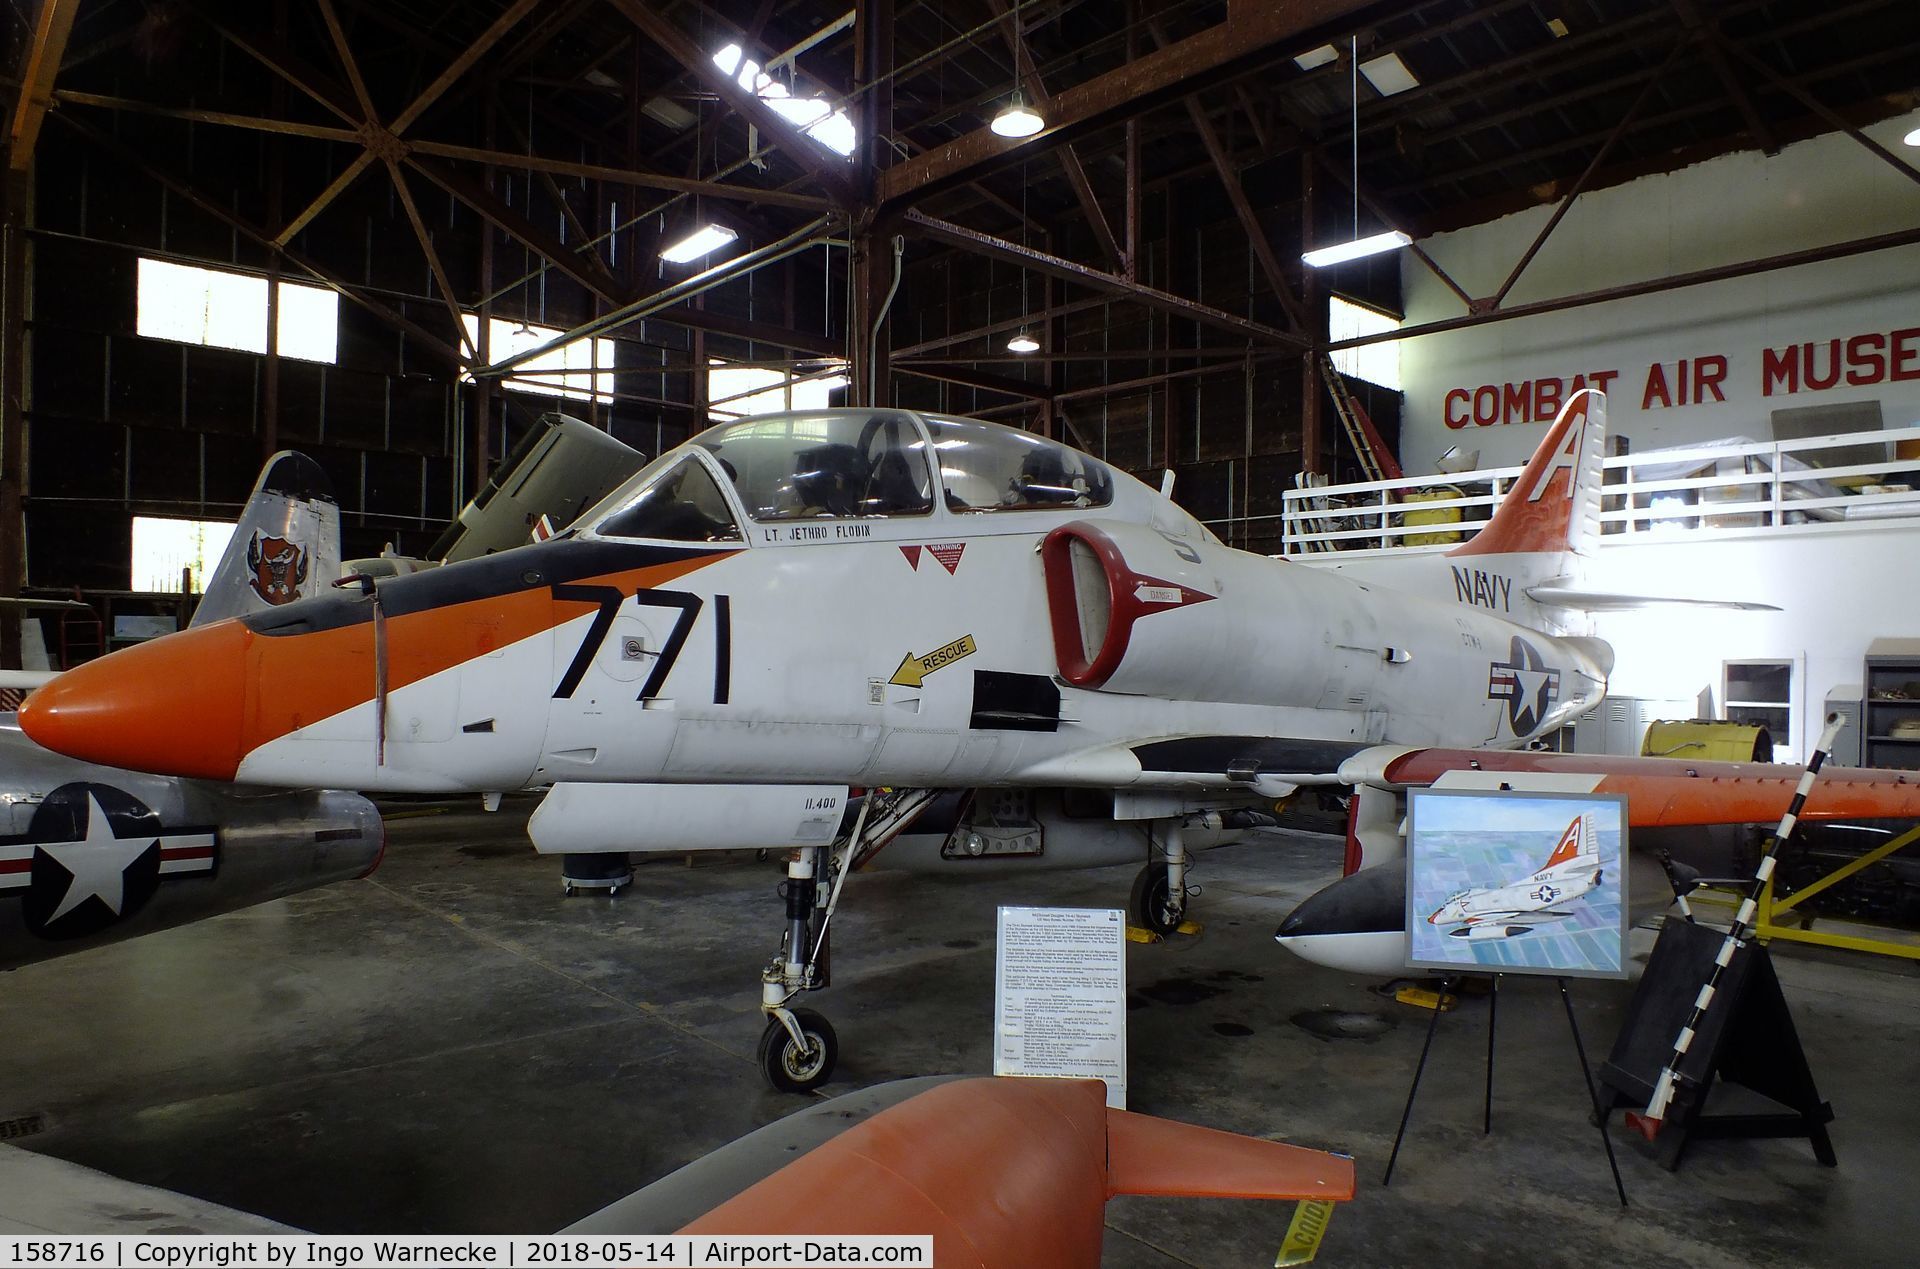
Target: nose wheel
<point>1160,890</point>
<point>798,1065</point>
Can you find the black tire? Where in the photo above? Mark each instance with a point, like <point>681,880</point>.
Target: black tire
<point>791,1070</point>
<point>1152,906</point>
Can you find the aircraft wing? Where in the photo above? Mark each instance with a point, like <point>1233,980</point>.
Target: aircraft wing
<point>1661,792</point>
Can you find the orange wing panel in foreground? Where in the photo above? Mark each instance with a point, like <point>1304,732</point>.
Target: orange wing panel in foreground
<point>1013,1172</point>
<point>1158,1156</point>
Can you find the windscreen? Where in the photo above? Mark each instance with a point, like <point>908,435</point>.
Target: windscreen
<point>807,466</point>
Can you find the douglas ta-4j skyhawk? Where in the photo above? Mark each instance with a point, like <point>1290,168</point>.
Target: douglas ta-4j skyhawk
<point>789,606</point>
<point>1497,912</point>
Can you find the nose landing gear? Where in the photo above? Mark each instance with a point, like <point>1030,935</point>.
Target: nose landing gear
<point>798,1049</point>
<point>1160,890</point>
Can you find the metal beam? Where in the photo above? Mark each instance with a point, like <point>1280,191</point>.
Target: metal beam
<point>50,34</point>
<point>583,269</point>
<point>1075,171</point>
<point>825,167</point>
<point>1072,271</point>
<point>1003,384</point>
<point>1254,32</point>
<point>1673,282</point>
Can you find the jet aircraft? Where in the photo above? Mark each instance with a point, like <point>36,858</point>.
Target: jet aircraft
<point>1491,912</point>
<point>790,606</point>
<point>90,854</point>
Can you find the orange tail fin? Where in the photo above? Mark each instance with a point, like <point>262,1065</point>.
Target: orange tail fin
<point>1568,848</point>
<point>1550,506</point>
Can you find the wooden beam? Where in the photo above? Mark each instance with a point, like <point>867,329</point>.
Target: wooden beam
<point>50,34</point>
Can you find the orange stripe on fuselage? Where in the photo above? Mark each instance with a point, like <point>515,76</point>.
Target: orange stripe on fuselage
<point>297,680</point>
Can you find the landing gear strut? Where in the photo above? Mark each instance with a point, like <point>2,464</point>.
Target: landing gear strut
<point>798,1049</point>
<point>1160,891</point>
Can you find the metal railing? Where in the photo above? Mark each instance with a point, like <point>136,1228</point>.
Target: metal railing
<point>1707,490</point>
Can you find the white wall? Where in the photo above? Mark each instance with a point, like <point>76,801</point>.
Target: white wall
<point>1730,209</point>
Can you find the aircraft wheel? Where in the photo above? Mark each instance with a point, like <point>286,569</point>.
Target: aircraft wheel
<point>1153,907</point>
<point>794,1070</point>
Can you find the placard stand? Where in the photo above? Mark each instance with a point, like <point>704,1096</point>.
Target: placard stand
<point>1748,1038</point>
<point>1486,1121</point>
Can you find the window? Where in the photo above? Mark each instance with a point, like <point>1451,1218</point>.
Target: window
<point>813,116</point>
<point>582,369</point>
<point>220,309</point>
<point>985,467</point>
<point>1376,363</point>
<point>1760,694</point>
<point>162,547</point>
<point>683,505</point>
<point>739,391</point>
<point>803,466</point>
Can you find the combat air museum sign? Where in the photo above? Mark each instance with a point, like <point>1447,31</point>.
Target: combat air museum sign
<point>1813,366</point>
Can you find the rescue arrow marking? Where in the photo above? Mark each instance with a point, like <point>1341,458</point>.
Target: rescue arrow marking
<point>913,670</point>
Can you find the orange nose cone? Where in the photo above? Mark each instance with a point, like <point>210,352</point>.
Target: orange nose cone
<point>172,706</point>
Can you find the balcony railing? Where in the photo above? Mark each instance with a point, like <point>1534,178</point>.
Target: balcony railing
<point>1855,480</point>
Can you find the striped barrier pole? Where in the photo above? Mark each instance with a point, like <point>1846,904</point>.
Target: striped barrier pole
<point>1742,929</point>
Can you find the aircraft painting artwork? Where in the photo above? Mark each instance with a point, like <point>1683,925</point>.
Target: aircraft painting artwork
<point>790,606</point>
<point>1516,883</point>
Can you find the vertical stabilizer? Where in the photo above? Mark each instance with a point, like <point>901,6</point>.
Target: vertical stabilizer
<point>1554,507</point>
<point>286,546</point>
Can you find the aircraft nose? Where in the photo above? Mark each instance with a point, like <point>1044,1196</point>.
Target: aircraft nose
<point>172,706</point>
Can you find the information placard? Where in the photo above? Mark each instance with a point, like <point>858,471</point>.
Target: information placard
<point>1060,995</point>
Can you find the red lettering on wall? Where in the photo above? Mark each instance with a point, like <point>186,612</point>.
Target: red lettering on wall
<point>1810,359</point>
<point>1866,363</point>
<point>1487,414</point>
<point>1546,398</point>
<point>1458,396</point>
<point>1903,351</point>
<point>1516,402</point>
<point>1780,368</point>
<point>1656,393</point>
<point>1708,374</point>
<point>1601,378</point>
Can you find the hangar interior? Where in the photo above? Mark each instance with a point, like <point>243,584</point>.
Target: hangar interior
<point>396,236</point>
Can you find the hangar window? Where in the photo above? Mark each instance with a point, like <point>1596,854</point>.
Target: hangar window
<point>684,504</point>
<point>582,369</point>
<point>163,546</point>
<point>985,467</point>
<point>803,466</point>
<point>735,391</point>
<point>1376,363</point>
<point>221,309</point>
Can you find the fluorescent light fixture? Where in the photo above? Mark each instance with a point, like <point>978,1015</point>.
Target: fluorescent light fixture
<point>1912,138</point>
<point>1389,75</point>
<point>702,241</point>
<point>1341,252</point>
<point>1017,118</point>
<point>1023,342</point>
<point>1317,57</point>
<point>1558,27</point>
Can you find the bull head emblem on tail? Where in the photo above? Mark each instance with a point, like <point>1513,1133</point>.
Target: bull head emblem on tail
<point>278,568</point>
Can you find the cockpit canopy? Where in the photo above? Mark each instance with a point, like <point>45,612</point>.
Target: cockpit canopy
<point>849,464</point>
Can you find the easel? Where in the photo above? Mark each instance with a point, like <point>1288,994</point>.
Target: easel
<point>1748,1039</point>
<point>1486,1122</point>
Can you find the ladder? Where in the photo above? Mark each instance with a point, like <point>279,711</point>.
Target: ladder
<point>1376,460</point>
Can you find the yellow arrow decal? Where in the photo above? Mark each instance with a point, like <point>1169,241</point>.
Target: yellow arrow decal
<point>913,670</point>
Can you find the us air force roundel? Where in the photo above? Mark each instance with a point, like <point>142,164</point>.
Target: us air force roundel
<point>93,855</point>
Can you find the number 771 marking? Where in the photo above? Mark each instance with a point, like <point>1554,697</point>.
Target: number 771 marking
<point>688,605</point>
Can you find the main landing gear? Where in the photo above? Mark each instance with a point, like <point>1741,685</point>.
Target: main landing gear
<point>1160,890</point>
<point>798,1049</point>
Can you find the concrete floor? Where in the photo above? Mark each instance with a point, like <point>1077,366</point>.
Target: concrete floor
<point>451,1046</point>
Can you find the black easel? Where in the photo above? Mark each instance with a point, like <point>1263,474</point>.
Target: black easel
<point>1746,1038</point>
<point>1486,1121</point>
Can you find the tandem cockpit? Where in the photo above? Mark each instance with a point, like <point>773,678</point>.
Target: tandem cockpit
<point>785,478</point>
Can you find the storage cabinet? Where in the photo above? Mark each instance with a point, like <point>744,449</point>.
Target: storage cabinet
<point>1891,731</point>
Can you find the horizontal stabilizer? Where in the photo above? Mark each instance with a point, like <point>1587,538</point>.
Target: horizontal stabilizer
<point>1612,601</point>
<point>1146,1155</point>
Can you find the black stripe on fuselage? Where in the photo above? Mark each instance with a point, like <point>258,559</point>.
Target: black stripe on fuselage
<point>1220,755</point>
<point>531,567</point>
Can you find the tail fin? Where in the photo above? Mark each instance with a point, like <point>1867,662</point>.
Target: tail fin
<point>286,546</point>
<point>1573,843</point>
<point>1555,505</point>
